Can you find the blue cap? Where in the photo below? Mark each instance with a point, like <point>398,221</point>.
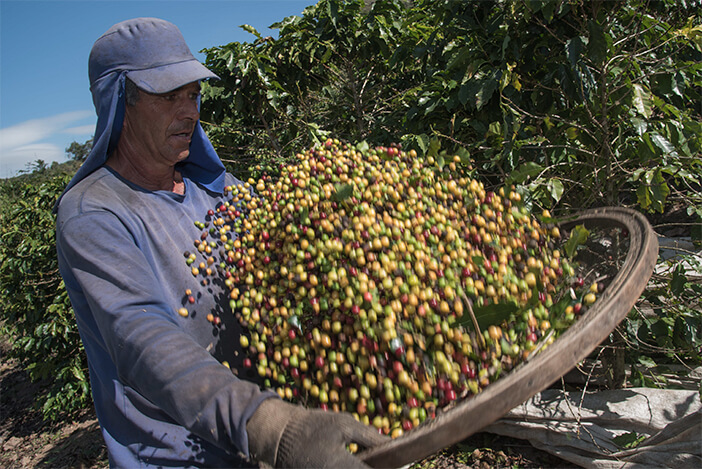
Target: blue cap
<point>152,51</point>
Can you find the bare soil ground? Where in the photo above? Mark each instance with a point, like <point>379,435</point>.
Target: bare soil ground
<point>26,441</point>
<point>29,442</point>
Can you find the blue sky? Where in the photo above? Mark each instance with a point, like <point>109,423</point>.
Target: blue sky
<point>45,102</point>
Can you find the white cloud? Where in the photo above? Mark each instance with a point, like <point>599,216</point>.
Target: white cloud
<point>24,143</point>
<point>86,130</point>
<point>38,129</point>
<point>18,158</point>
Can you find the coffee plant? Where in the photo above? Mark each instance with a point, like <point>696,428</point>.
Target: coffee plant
<point>36,313</point>
<point>582,103</point>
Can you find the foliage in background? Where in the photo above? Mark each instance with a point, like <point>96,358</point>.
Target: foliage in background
<point>79,151</point>
<point>330,71</point>
<point>666,338</point>
<point>36,312</point>
<point>586,102</point>
<point>583,103</point>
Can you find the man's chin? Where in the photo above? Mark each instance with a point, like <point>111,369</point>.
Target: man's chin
<point>183,155</point>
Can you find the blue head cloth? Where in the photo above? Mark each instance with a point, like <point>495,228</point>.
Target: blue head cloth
<point>153,54</point>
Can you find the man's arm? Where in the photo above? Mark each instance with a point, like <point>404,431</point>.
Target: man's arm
<point>151,352</point>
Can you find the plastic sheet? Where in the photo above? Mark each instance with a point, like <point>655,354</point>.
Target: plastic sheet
<point>625,428</point>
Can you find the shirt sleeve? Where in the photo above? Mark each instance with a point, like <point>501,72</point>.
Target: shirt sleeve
<point>130,317</point>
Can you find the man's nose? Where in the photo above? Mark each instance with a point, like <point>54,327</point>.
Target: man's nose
<point>189,109</point>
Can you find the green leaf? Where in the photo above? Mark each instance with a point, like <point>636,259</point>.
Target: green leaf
<point>422,142</point>
<point>459,58</point>
<point>555,188</point>
<point>333,12</point>
<point>648,362</point>
<point>677,80</point>
<point>434,147</point>
<point>231,60</point>
<point>474,67</point>
<point>342,192</point>
<point>628,440</point>
<point>465,93</point>
<point>493,314</point>
<point>691,33</point>
<point>641,100</point>
<point>548,9</point>
<point>495,128</point>
<point>485,92</point>
<point>572,133</point>
<point>362,146</point>
<point>645,148</point>
<point>653,191</point>
<point>488,315</point>
<point>305,216</point>
<point>327,54</point>
<point>684,332</point>
<point>250,29</point>
<point>643,196</point>
<point>659,190</point>
<point>661,331</point>
<point>524,172</point>
<point>678,280</point>
<point>558,309</point>
<point>663,143</point>
<point>574,49</point>
<point>640,125</point>
<point>597,44</point>
<point>464,155</point>
<point>578,237</point>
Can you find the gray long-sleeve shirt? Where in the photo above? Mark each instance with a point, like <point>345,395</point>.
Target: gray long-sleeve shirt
<point>161,393</point>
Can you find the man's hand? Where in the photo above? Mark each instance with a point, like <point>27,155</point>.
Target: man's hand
<point>287,435</point>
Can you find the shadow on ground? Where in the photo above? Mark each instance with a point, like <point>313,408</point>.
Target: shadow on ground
<point>27,441</point>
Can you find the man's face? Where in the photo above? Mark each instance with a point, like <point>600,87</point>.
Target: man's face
<point>159,126</point>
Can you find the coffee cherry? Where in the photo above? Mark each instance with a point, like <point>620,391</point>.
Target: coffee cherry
<point>357,272</point>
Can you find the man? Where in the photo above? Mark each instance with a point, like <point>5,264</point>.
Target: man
<point>161,393</point>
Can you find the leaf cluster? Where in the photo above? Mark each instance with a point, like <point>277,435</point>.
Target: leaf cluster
<point>668,332</point>
<point>578,103</point>
<point>36,313</point>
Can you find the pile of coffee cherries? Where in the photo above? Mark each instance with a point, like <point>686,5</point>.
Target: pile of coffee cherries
<point>384,283</point>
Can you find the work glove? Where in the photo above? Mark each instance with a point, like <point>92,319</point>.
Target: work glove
<point>284,435</point>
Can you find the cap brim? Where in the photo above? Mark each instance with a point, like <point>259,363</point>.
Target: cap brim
<point>170,77</point>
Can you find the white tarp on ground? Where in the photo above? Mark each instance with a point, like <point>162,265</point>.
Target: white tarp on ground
<point>581,428</point>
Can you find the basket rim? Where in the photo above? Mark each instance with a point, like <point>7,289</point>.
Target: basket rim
<point>540,371</point>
